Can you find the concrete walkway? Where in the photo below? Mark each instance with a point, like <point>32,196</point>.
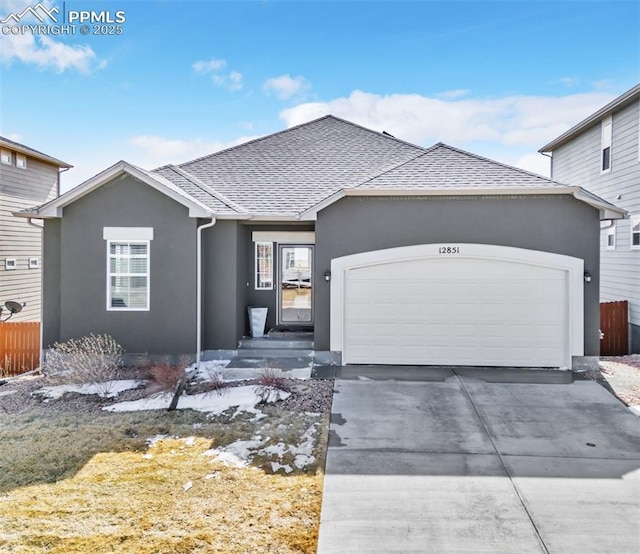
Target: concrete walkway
<point>479,461</point>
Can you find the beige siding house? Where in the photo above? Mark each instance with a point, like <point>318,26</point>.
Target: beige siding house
<point>27,178</point>
<point>602,154</point>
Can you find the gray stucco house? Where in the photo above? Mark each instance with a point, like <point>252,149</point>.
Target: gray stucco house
<point>390,252</point>
<point>602,154</point>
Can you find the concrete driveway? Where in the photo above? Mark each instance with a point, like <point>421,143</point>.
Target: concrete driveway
<point>474,461</point>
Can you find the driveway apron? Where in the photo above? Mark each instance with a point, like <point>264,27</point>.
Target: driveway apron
<point>479,461</point>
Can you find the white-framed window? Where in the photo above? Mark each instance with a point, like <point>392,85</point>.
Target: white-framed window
<point>128,275</point>
<point>264,265</point>
<point>635,231</point>
<point>5,156</point>
<point>10,263</point>
<point>34,263</point>
<point>21,161</point>
<point>610,237</point>
<point>605,148</point>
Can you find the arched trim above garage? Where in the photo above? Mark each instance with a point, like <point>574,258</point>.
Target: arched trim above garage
<point>458,304</point>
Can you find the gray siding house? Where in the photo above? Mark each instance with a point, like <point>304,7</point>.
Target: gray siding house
<point>389,252</point>
<point>602,154</point>
<point>27,178</point>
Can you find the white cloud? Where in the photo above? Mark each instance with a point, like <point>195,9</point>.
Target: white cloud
<point>48,53</point>
<point>537,163</point>
<point>453,94</point>
<point>514,121</point>
<point>231,80</point>
<point>44,51</point>
<point>146,151</point>
<point>566,81</point>
<point>286,87</point>
<point>210,66</point>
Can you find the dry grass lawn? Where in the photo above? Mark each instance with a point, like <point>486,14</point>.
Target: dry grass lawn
<point>88,483</point>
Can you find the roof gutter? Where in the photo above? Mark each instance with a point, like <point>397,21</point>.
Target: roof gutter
<point>199,289</point>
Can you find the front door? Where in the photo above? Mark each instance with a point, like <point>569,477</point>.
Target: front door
<point>295,285</point>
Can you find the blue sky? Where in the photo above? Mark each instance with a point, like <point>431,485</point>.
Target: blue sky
<point>187,78</point>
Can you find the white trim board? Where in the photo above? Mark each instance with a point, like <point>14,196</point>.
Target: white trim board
<point>284,237</point>
<point>127,233</point>
<point>573,266</point>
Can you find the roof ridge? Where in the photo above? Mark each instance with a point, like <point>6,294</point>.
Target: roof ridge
<point>206,188</point>
<point>379,133</point>
<point>306,123</point>
<point>501,164</point>
<point>419,155</point>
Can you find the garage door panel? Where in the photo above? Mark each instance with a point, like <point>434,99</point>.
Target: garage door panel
<point>455,311</point>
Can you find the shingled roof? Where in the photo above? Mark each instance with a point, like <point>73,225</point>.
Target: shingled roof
<point>289,172</point>
<point>444,167</point>
<point>295,173</point>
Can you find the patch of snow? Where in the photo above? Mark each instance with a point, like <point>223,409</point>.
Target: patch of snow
<point>210,370</point>
<point>206,369</point>
<point>230,459</point>
<point>302,460</point>
<point>635,409</point>
<point>275,467</point>
<point>363,378</point>
<point>152,441</point>
<point>113,387</point>
<point>244,399</point>
<point>275,449</point>
<point>236,454</point>
<point>189,441</point>
<point>214,475</point>
<point>187,486</point>
<point>272,394</point>
<point>158,401</point>
<point>147,456</point>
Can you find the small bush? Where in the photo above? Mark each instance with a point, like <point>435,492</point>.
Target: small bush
<point>270,384</point>
<point>94,359</point>
<point>165,375</point>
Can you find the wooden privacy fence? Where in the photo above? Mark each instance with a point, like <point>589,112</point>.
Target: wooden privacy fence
<point>614,326</point>
<point>19,347</point>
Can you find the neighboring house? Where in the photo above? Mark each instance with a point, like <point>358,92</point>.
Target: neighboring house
<point>602,154</point>
<point>391,252</point>
<point>27,177</point>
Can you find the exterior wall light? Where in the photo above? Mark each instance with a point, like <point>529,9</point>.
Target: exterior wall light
<point>327,275</point>
<point>587,277</point>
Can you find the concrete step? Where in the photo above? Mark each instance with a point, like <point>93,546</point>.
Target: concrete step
<point>262,353</point>
<point>275,343</point>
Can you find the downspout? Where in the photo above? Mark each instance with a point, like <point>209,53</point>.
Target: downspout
<point>60,171</point>
<point>550,156</point>
<point>199,290</point>
<point>41,227</point>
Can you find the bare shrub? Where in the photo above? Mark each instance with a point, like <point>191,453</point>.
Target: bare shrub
<point>5,366</point>
<point>165,375</point>
<point>270,385</point>
<point>93,360</point>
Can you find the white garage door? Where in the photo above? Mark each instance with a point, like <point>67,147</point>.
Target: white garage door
<point>456,310</point>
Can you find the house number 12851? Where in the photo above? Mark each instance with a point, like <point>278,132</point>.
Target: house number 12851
<point>449,250</point>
